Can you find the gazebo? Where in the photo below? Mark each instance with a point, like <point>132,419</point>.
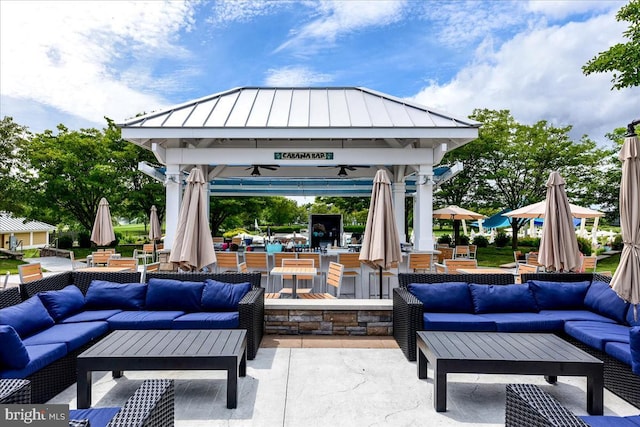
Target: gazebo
<point>303,141</point>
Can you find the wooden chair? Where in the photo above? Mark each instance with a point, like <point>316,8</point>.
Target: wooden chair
<point>316,260</point>
<point>294,262</point>
<point>101,257</point>
<point>519,257</point>
<point>451,266</point>
<point>152,266</point>
<point>258,262</point>
<point>334,278</point>
<point>227,262</point>
<point>217,239</point>
<point>589,264</point>
<point>388,274</point>
<point>6,280</point>
<point>446,253</point>
<point>146,253</point>
<point>130,263</point>
<point>525,269</point>
<point>30,272</point>
<point>352,268</point>
<point>532,258</point>
<point>75,264</point>
<point>462,251</point>
<point>278,257</point>
<point>473,249</point>
<point>420,262</point>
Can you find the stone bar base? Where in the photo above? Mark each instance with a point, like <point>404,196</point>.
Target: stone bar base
<point>329,317</point>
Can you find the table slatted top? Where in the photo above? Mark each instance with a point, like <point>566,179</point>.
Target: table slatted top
<point>503,346</point>
<point>168,343</point>
<point>294,270</point>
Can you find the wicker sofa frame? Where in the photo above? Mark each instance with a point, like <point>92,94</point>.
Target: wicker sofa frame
<point>60,374</point>
<point>407,309</point>
<point>14,391</point>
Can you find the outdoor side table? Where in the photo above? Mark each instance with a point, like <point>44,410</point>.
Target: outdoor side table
<point>506,353</point>
<point>169,350</point>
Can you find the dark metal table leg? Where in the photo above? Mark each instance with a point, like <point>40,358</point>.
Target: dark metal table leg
<point>551,379</point>
<point>439,389</point>
<point>83,389</point>
<point>232,386</point>
<point>595,394</point>
<point>422,364</point>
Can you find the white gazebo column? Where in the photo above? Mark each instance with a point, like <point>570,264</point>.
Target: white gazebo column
<point>173,188</point>
<point>398,189</point>
<point>424,209</point>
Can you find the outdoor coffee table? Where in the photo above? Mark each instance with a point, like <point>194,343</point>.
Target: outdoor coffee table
<point>150,350</point>
<point>506,353</point>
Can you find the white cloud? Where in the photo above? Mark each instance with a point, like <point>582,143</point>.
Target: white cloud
<point>537,76</point>
<point>225,11</point>
<point>73,55</point>
<point>295,76</point>
<point>564,8</point>
<point>337,18</point>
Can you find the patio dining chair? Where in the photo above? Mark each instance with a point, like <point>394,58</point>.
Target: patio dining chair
<point>352,269</point>
<point>294,262</point>
<point>451,266</point>
<point>473,249</point>
<point>101,257</point>
<point>420,262</point>
<point>146,253</point>
<point>30,272</point>
<point>525,269</point>
<point>227,262</point>
<point>374,278</point>
<point>148,268</point>
<point>462,251</point>
<point>334,279</point>
<point>258,262</point>
<point>589,264</point>
<point>315,256</point>
<point>446,253</point>
<point>130,263</point>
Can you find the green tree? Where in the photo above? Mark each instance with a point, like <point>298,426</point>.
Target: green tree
<point>512,162</point>
<point>68,173</point>
<point>12,136</point>
<point>623,59</point>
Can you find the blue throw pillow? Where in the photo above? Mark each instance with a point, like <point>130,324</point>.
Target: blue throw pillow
<point>223,296</point>
<point>447,297</point>
<point>603,300</point>
<point>634,343</point>
<point>167,294</point>
<point>13,353</point>
<point>63,303</point>
<point>502,298</point>
<point>27,318</point>
<point>559,295</point>
<point>103,295</point>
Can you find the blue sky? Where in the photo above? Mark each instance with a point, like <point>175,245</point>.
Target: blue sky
<point>74,62</point>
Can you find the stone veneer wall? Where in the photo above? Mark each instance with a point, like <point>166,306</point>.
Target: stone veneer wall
<point>310,318</point>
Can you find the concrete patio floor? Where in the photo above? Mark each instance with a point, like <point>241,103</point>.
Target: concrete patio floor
<point>319,381</point>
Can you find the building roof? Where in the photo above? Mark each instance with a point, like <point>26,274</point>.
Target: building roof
<point>10,224</point>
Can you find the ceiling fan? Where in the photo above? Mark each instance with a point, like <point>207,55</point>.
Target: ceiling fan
<point>344,168</point>
<point>256,169</point>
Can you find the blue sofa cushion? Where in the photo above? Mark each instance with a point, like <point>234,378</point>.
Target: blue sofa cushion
<point>62,303</point>
<point>90,316</point>
<point>39,357</point>
<point>559,295</point>
<point>619,350</point>
<point>28,317</point>
<point>448,297</point>
<point>144,319</point>
<point>168,294</point>
<point>597,334</point>
<point>603,300</point>
<point>631,319</point>
<point>502,298</point>
<point>208,320</point>
<point>464,322</point>
<point>218,296</point>
<point>13,353</point>
<point>98,417</point>
<point>524,322</point>
<point>104,295</point>
<point>566,315</point>
<point>74,335</point>
<point>634,342</point>
<point>611,420</point>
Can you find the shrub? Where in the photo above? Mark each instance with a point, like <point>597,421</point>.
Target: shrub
<point>464,239</point>
<point>501,239</point>
<point>445,239</point>
<point>585,246</point>
<point>232,233</point>
<point>532,242</point>
<point>481,241</point>
<point>617,243</point>
<point>65,242</point>
<point>84,239</point>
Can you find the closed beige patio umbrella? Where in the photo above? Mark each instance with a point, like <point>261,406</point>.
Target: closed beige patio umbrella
<point>381,242</point>
<point>102,233</point>
<point>155,232</point>
<point>193,248</point>
<point>559,249</point>
<point>626,280</point>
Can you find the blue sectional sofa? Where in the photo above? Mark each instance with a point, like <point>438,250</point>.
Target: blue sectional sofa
<point>581,308</point>
<point>45,325</point>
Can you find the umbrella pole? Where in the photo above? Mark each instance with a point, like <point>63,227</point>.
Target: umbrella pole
<point>380,281</point>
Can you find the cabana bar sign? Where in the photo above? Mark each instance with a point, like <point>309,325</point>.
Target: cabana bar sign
<point>303,156</point>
